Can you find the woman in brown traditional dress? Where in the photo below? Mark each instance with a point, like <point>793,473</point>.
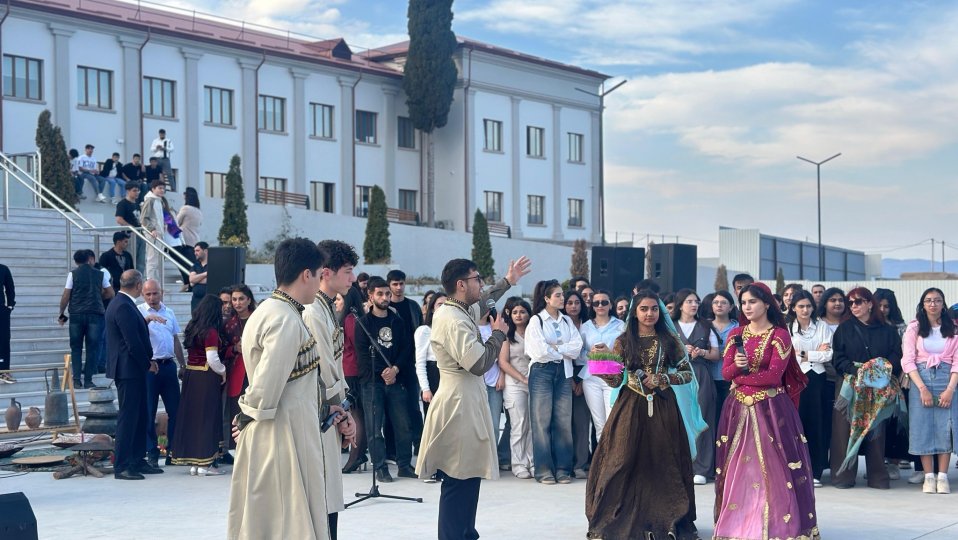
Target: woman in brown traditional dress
<point>640,483</point>
<point>199,429</point>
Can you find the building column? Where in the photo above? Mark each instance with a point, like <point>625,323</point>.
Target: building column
<point>515,150</point>
<point>469,149</point>
<point>556,173</point>
<point>61,79</point>
<point>347,113</point>
<point>191,118</point>
<point>596,206</point>
<point>132,98</point>
<point>300,183</point>
<point>248,126</point>
<point>389,142</point>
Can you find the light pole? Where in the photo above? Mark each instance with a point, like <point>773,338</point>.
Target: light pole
<point>601,95</point>
<point>818,173</point>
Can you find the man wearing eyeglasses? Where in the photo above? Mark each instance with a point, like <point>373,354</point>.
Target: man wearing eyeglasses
<point>458,440</point>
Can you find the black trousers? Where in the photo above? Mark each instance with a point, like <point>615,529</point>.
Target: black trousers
<point>812,409</point>
<point>4,337</point>
<point>458,502</point>
<point>131,423</point>
<point>333,525</point>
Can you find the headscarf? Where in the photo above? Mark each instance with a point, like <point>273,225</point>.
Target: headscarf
<point>793,379</point>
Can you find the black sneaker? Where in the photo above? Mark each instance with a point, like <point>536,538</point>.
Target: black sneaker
<point>153,461</point>
<point>383,475</point>
<point>407,472</point>
<point>77,384</point>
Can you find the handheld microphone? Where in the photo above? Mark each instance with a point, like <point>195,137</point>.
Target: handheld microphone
<point>352,309</point>
<point>739,345</point>
<point>491,304</point>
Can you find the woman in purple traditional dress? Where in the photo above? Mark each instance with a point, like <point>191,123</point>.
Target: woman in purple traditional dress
<point>763,484</point>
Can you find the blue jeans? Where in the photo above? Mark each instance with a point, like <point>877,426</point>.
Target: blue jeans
<point>117,186</point>
<point>96,181</point>
<point>380,399</point>
<point>165,384</point>
<point>550,399</point>
<point>85,327</point>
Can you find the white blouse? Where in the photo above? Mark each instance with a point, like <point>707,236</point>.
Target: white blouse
<point>809,340</point>
<point>553,340</point>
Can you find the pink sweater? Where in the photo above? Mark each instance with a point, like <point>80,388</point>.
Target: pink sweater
<point>913,351</point>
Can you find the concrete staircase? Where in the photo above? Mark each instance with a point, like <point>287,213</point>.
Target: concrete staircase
<point>33,245</point>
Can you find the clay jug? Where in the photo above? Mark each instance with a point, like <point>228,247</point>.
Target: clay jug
<point>33,418</point>
<point>14,415</point>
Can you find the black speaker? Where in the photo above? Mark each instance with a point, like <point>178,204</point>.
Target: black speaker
<point>617,269</point>
<point>17,521</point>
<point>675,266</point>
<point>225,266</point>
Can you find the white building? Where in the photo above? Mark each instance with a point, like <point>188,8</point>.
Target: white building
<point>310,119</point>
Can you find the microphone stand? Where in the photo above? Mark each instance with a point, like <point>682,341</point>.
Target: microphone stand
<point>374,351</point>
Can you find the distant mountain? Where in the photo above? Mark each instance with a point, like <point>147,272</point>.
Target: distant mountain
<point>893,268</point>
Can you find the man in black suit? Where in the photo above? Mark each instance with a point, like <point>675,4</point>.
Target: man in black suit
<point>8,299</point>
<point>129,356</point>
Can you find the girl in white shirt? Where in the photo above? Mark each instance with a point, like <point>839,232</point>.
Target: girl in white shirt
<point>552,343</point>
<point>812,341</point>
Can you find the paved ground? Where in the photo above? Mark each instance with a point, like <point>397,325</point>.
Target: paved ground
<point>177,506</point>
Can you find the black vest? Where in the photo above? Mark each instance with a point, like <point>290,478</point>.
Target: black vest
<point>86,296</point>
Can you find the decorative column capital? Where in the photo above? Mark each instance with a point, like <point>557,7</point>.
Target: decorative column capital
<point>191,54</point>
<point>299,73</point>
<point>390,90</point>
<point>249,63</point>
<point>61,30</point>
<point>347,82</point>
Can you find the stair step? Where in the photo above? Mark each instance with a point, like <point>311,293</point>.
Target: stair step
<point>39,331</point>
<point>35,343</point>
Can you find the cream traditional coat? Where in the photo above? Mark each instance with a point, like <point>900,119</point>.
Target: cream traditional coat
<point>458,437</point>
<point>321,321</point>
<point>278,487</point>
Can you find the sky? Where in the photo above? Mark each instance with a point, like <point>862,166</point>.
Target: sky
<point>720,99</point>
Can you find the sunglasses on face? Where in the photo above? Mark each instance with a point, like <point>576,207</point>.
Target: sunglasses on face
<point>601,303</point>
<point>857,301</point>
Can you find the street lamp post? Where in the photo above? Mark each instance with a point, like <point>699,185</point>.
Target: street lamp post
<point>818,173</point>
<point>601,204</point>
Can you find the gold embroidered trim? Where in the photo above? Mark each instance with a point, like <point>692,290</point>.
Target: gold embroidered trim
<point>200,462</point>
<point>751,399</point>
<point>204,367</point>
<point>307,359</point>
<point>759,353</point>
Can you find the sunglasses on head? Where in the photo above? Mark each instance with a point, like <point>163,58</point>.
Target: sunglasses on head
<point>601,303</point>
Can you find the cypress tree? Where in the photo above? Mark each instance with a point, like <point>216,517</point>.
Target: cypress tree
<point>430,76</point>
<point>482,247</point>
<point>234,230</point>
<point>55,161</point>
<point>721,278</point>
<point>580,259</point>
<point>780,281</point>
<point>376,249</point>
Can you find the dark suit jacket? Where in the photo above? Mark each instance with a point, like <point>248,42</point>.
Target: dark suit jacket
<point>8,295</point>
<point>127,340</point>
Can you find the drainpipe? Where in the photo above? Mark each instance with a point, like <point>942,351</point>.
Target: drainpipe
<point>146,158</point>
<point>256,97</point>
<point>6,12</point>
<point>352,142</point>
<point>465,146</point>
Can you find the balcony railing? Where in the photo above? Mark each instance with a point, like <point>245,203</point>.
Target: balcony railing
<point>272,196</point>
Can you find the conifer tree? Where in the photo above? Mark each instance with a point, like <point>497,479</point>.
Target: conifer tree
<point>721,278</point>
<point>780,281</point>
<point>376,248</point>
<point>55,161</point>
<point>580,259</point>
<point>235,230</point>
<point>482,247</point>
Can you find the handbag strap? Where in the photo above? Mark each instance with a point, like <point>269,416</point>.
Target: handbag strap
<point>864,341</point>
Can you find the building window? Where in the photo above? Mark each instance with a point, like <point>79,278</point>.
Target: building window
<point>407,133</point>
<point>366,127</point>
<point>219,106</point>
<point>22,77</point>
<point>575,212</point>
<point>493,132</point>
<point>494,206</point>
<point>323,197</point>
<point>272,184</point>
<point>575,147</point>
<point>159,97</point>
<point>362,201</point>
<point>407,200</point>
<point>215,184</point>
<point>272,114</point>
<point>322,116</point>
<point>537,205</point>
<point>534,138</point>
<point>94,87</point>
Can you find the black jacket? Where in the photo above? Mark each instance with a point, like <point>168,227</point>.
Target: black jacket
<point>8,294</point>
<point>856,342</point>
<point>108,166</point>
<point>390,336</point>
<point>128,348</point>
<point>112,265</point>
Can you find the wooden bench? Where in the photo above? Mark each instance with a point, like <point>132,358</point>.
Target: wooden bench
<point>407,217</point>
<point>272,196</point>
<point>500,229</point>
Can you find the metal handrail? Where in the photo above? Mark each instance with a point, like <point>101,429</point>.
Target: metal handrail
<point>47,195</point>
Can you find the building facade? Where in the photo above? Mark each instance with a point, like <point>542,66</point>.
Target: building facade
<point>315,124</point>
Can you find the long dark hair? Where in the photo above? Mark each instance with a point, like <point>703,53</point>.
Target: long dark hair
<point>584,314</point>
<point>541,292</point>
<point>511,334</point>
<point>823,307</point>
<point>244,288</point>
<point>791,316</point>
<point>894,312</point>
<point>629,340</point>
<point>774,312</point>
<point>924,325</point>
<point>191,198</point>
<point>431,308</point>
<point>207,316</point>
<point>679,299</point>
<point>705,307</point>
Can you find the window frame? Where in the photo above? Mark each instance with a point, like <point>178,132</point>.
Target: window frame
<point>576,147</point>
<point>85,103</point>
<point>209,92</point>
<point>404,122</point>
<point>150,84</point>
<point>319,193</point>
<point>579,213</point>
<point>494,197</point>
<point>533,202</point>
<point>261,112</point>
<point>366,124</point>
<point>363,194</point>
<point>10,91</point>
<point>318,121</point>
<point>535,142</point>
<point>493,135</point>
<point>264,182</point>
<point>209,177</point>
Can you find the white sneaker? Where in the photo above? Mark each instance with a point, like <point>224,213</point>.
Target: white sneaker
<point>816,483</point>
<point>916,478</point>
<point>523,475</point>
<point>943,485</point>
<point>100,198</point>
<point>699,480</point>
<point>116,200</point>
<point>929,485</point>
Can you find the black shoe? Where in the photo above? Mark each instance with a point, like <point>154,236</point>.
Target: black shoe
<point>383,475</point>
<point>77,384</point>
<point>153,461</point>
<point>88,384</point>
<point>128,475</point>
<point>144,467</point>
<point>226,459</point>
<point>354,466</point>
<point>407,472</point>
<point>169,461</point>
